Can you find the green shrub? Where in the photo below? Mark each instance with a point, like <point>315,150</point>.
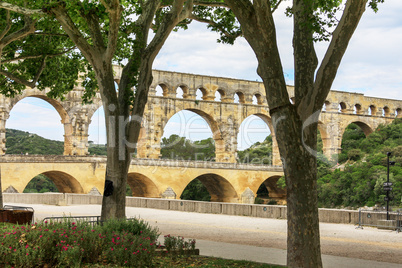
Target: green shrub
<point>70,244</point>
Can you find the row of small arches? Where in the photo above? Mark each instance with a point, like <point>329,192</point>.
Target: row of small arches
<point>183,92</point>
<point>372,109</point>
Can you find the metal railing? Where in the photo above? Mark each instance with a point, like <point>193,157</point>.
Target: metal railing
<point>92,220</point>
<point>378,218</point>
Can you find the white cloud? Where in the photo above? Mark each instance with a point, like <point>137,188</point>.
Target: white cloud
<point>371,65</point>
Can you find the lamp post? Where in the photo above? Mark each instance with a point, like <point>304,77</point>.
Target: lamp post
<point>388,184</point>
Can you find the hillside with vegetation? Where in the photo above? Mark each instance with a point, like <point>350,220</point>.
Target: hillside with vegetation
<point>360,183</point>
<point>22,142</point>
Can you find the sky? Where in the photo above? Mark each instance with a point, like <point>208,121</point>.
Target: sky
<point>372,65</point>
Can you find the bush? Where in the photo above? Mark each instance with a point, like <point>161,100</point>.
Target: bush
<point>69,244</point>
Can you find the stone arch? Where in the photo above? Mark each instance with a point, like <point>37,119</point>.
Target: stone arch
<point>92,109</point>
<point>258,99</point>
<point>222,94</point>
<point>185,89</point>
<point>342,107</point>
<point>56,104</point>
<point>372,110</point>
<point>398,113</point>
<point>64,182</point>
<point>204,93</point>
<point>275,150</point>
<point>274,191</point>
<point>358,108</point>
<point>367,129</point>
<point>165,89</point>
<point>241,96</point>
<point>212,123</point>
<point>264,118</point>
<point>65,118</point>
<point>386,111</point>
<point>142,186</point>
<point>220,189</point>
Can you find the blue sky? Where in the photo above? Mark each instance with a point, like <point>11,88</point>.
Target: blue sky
<point>372,65</point>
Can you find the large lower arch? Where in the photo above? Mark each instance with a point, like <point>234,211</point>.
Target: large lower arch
<point>142,186</point>
<point>185,129</point>
<point>64,182</point>
<point>367,130</point>
<point>276,161</point>
<point>274,191</point>
<point>65,120</point>
<point>219,188</point>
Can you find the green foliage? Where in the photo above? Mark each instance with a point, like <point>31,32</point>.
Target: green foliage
<point>72,244</point>
<point>177,243</point>
<point>21,142</point>
<point>195,190</point>
<point>361,183</point>
<point>258,153</point>
<point>46,58</point>
<point>180,148</point>
<point>40,184</point>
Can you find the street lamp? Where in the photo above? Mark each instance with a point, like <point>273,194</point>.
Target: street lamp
<point>388,184</point>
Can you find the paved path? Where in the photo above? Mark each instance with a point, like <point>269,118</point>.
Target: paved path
<point>258,239</point>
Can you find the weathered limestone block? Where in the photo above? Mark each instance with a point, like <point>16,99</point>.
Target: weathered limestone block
<point>169,194</point>
<point>247,197</point>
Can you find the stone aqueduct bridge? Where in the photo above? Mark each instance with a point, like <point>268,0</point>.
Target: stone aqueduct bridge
<point>224,118</point>
<point>226,182</point>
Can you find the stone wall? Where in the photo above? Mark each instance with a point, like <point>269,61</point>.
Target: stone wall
<point>260,211</point>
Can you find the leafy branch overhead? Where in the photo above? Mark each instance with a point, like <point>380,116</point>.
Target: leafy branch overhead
<point>29,48</point>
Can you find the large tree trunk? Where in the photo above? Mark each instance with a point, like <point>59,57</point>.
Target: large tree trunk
<point>1,193</point>
<point>300,168</point>
<point>118,156</point>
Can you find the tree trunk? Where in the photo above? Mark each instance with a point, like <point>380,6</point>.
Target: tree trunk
<point>118,157</point>
<point>1,193</point>
<point>300,168</point>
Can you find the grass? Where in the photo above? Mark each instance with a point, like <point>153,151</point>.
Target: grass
<point>202,261</point>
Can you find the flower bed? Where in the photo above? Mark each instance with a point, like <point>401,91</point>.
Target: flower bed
<point>123,243</point>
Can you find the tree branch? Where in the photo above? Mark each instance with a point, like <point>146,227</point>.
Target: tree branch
<point>114,16</point>
<point>21,10</point>
<point>274,8</point>
<point>28,29</point>
<point>23,81</point>
<point>305,58</point>
<point>210,4</point>
<point>212,23</point>
<point>38,56</point>
<point>8,26</point>
<point>73,32</point>
<point>92,21</point>
<point>326,73</point>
